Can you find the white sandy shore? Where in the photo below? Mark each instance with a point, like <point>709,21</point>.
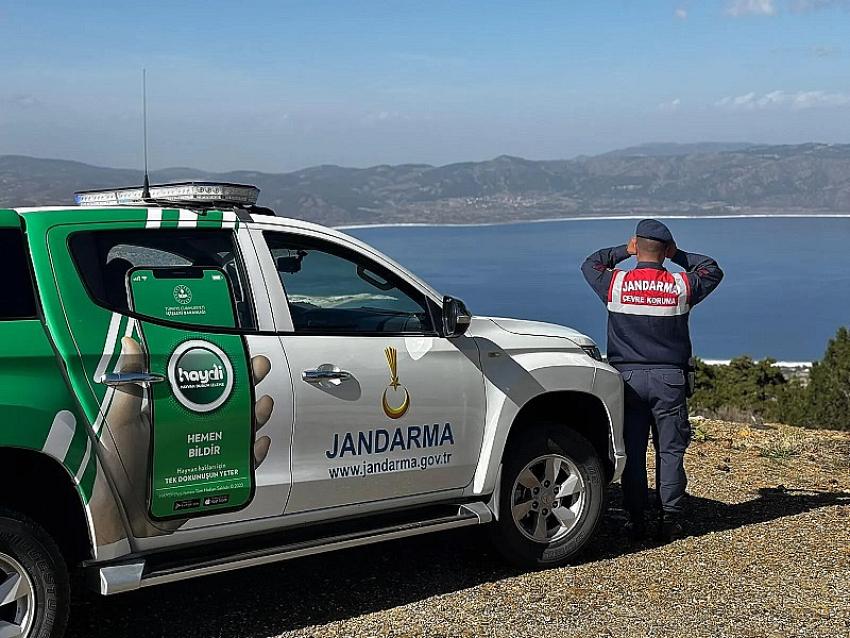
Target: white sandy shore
<point>593,219</point>
<point>778,364</point>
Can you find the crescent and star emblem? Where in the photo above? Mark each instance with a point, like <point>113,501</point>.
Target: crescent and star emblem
<point>394,412</point>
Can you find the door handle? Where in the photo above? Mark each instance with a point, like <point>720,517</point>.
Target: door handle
<point>144,379</point>
<point>327,372</point>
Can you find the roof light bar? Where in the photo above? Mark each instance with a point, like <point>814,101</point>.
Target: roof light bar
<point>187,193</point>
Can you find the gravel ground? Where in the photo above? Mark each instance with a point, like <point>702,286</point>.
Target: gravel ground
<point>768,555</point>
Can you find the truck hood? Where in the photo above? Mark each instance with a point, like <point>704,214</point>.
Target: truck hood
<point>540,329</point>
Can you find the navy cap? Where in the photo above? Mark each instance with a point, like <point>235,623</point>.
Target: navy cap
<point>654,229</point>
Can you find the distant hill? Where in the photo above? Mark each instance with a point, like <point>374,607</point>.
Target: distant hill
<point>656,178</point>
<point>660,149</point>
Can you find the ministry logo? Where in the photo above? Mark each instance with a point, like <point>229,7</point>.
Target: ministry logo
<point>182,294</point>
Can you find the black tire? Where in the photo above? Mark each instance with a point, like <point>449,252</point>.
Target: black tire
<point>25,541</point>
<point>533,443</point>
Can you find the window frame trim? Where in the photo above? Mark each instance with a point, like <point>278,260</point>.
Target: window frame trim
<point>343,250</point>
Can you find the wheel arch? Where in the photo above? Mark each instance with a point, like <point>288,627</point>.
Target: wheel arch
<point>594,422</point>
<point>582,412</point>
<point>44,490</point>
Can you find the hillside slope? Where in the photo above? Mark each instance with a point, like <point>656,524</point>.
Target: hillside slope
<point>695,179</point>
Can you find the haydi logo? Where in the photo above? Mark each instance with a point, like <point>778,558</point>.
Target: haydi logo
<point>201,375</point>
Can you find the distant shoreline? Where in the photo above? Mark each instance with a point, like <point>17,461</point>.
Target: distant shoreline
<point>545,220</point>
<point>778,364</point>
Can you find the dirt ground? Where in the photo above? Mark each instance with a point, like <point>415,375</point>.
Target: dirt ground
<point>768,555</point>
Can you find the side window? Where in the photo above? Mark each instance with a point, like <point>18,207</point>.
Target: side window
<point>18,298</point>
<point>334,291</point>
<point>104,258</point>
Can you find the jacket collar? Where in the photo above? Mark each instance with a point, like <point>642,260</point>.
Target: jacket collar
<point>650,264</point>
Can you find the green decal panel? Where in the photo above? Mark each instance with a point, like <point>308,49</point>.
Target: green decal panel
<point>192,296</point>
<point>36,410</point>
<point>202,438</point>
<point>87,336</point>
<point>9,218</point>
<point>89,339</point>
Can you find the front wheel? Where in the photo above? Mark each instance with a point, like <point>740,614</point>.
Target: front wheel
<point>551,499</point>
<point>34,590</point>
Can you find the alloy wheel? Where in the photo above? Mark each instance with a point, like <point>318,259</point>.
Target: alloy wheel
<point>17,599</point>
<point>548,498</point>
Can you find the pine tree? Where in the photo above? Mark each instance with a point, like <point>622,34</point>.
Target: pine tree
<point>828,392</point>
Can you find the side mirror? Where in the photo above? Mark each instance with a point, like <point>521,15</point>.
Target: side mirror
<point>456,317</point>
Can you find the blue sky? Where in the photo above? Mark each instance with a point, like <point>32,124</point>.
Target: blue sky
<point>281,85</point>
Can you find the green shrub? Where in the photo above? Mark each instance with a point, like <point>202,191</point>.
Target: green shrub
<point>747,388</point>
<point>744,387</point>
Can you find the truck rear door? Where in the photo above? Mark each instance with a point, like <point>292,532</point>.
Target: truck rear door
<point>165,353</point>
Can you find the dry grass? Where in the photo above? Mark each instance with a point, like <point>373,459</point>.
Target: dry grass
<point>769,556</point>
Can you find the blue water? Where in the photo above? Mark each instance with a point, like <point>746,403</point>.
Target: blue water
<point>786,291</point>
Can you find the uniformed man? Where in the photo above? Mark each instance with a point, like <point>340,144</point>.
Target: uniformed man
<point>649,343</point>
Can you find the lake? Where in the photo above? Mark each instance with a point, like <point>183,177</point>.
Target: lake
<point>786,290</point>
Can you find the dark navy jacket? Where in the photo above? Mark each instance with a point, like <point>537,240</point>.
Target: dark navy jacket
<point>649,307</point>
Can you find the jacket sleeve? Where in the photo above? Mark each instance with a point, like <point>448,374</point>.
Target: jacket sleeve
<point>704,275</point>
<point>598,269</point>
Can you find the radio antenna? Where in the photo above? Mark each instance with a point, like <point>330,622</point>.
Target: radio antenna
<point>146,185</point>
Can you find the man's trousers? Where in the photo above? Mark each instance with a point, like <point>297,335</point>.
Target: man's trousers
<point>656,401</point>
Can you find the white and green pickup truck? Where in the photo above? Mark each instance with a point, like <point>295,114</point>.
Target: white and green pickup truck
<point>190,384</point>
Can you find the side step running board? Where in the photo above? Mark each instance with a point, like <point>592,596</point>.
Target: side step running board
<point>127,576</point>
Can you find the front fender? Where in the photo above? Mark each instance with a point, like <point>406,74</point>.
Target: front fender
<point>535,366</point>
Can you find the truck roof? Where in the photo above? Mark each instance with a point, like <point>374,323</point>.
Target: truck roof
<point>182,212</point>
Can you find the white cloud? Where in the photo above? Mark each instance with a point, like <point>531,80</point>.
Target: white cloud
<point>795,101</point>
<point>802,6</point>
<point>738,8</point>
<point>670,107</point>
<point>681,13</point>
<point>386,117</point>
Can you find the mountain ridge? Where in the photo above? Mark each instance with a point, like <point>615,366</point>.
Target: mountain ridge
<point>701,179</point>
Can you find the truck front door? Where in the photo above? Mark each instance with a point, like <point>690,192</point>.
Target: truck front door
<point>385,407</point>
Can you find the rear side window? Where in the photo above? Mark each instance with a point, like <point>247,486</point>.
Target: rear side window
<point>104,258</point>
<point>17,300</point>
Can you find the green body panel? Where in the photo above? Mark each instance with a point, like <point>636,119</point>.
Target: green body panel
<point>32,393</point>
<point>169,217</point>
<point>9,218</point>
<point>35,398</point>
<point>203,300</point>
<point>88,337</point>
<point>58,282</point>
